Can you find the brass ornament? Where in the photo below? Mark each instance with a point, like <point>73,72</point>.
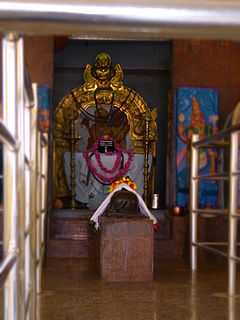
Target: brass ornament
<point>103,86</point>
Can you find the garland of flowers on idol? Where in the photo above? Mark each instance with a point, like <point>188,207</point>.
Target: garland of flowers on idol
<point>116,164</point>
<point>119,172</point>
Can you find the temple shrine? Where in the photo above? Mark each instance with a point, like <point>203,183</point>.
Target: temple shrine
<point>104,131</point>
<point>124,197</point>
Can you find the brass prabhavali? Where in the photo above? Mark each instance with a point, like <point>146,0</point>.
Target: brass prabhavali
<point>103,85</point>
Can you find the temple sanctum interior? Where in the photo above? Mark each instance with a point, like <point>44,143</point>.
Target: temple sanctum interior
<point>142,194</point>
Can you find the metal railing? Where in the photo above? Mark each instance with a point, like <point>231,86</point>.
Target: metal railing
<point>124,20</point>
<point>24,177</point>
<point>229,137</point>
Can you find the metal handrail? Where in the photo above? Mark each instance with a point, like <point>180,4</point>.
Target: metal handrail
<point>232,212</point>
<point>217,136</point>
<point>126,19</point>
<point>207,247</point>
<point>6,266</point>
<point>216,144</point>
<point>44,140</point>
<point>22,162</point>
<point>6,137</point>
<point>210,210</point>
<point>212,177</point>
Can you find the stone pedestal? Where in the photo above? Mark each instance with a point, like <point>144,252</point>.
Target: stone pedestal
<point>126,249</point>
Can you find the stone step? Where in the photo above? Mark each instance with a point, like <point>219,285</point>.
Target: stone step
<point>69,224</point>
<point>68,248</point>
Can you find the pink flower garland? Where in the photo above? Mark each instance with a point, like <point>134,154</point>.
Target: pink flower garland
<point>116,163</point>
<point>116,167</point>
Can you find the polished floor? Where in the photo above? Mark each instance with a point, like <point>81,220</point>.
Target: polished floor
<point>72,292</point>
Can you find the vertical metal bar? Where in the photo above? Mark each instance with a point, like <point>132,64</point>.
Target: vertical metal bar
<point>21,174</point>
<point>9,66</point>
<point>41,204</point>
<point>194,201</point>
<point>233,187</point>
<point>45,166</point>
<point>73,163</point>
<point>38,216</point>
<point>13,174</point>
<point>43,197</point>
<point>27,170</point>
<point>33,218</point>
<point>146,154</point>
<point>221,197</point>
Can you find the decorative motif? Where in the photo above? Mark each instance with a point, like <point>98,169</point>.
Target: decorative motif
<point>44,104</point>
<point>197,112</point>
<point>104,86</point>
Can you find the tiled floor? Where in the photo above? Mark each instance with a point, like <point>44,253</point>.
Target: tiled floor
<point>71,292</point>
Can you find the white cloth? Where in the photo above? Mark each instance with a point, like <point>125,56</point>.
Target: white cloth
<point>88,189</point>
<point>142,206</point>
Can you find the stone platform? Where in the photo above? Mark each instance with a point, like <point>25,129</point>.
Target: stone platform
<point>71,234</point>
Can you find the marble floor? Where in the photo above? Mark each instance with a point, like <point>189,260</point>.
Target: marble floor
<point>72,292</point>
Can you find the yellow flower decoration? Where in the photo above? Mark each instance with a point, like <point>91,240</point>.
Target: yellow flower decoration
<point>119,181</point>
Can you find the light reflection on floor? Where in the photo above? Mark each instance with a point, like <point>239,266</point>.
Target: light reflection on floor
<point>71,292</point>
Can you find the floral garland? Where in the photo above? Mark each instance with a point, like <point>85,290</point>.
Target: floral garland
<point>119,172</point>
<point>125,180</point>
<point>116,165</point>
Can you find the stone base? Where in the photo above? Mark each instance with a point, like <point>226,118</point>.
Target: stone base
<point>71,235</point>
<point>126,249</point>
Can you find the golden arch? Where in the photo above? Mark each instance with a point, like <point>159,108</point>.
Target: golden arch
<point>104,85</point>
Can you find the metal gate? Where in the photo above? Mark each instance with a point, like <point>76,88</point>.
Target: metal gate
<point>225,140</point>
<point>25,187</point>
